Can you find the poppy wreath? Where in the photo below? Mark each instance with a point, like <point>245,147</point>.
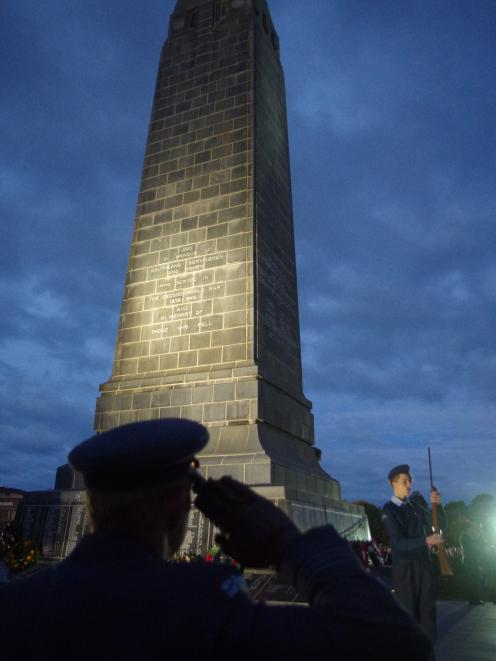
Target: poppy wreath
<point>21,556</point>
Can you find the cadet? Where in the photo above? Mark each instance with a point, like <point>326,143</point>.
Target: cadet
<point>409,526</point>
<point>472,554</point>
<point>116,598</point>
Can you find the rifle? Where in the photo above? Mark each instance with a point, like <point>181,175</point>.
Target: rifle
<point>444,563</point>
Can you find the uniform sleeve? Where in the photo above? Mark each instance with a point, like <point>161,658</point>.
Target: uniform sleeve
<point>349,613</point>
<point>398,540</point>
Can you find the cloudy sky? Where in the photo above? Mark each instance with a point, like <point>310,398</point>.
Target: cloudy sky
<point>392,108</point>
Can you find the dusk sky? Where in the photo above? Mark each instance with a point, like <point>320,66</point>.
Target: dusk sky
<point>392,107</point>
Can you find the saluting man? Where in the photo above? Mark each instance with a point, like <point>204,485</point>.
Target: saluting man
<point>409,526</point>
<point>117,598</point>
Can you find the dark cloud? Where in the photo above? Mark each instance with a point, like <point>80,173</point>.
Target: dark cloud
<point>391,112</point>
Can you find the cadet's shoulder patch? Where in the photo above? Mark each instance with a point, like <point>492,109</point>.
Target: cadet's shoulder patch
<point>233,585</point>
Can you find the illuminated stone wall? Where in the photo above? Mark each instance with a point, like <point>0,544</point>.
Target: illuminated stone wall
<point>209,326</point>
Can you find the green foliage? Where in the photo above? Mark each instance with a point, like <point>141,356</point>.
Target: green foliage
<point>482,509</point>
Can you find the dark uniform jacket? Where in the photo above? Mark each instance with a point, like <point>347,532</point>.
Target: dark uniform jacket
<point>471,552</point>
<point>408,524</point>
<point>113,600</point>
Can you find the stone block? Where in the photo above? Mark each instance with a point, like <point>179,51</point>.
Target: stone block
<point>229,336</point>
<point>123,402</point>
<point>214,412</point>
<point>140,289</point>
<point>160,244</point>
<point>188,358</point>
<point>223,392</point>
<point>127,417</point>
<point>148,364</point>
<point>211,323</point>
<point>217,231</point>
<point>170,412</point>
<point>202,394</point>
<point>161,398</point>
<point>151,259</point>
<point>200,341</point>
<point>234,353</point>
<point>136,319</point>
<point>233,319</point>
<point>158,347</point>
<point>180,343</point>
<point>105,404</point>
<point>233,213</point>
<point>181,396</point>
<point>239,255</point>
<point>233,242</point>
<point>129,335</point>
<point>142,400</point>
<point>258,473</point>
<point>229,304</point>
<point>135,350</point>
<point>192,412</point>
<point>233,470</point>
<point>169,361</point>
<point>247,389</point>
<point>238,410</point>
<point>234,287</point>
<point>209,356</point>
<point>148,414</point>
<point>123,367</point>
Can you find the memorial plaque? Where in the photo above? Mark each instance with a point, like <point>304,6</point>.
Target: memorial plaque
<point>78,526</point>
<point>199,536</point>
<point>54,520</point>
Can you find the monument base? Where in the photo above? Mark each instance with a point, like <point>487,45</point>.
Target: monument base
<point>348,519</point>
<point>55,520</point>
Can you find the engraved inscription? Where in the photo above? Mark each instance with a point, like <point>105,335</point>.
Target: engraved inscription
<point>211,261</point>
<point>158,271</point>
<point>213,291</point>
<point>192,296</point>
<point>166,285</point>
<point>175,268</point>
<point>195,264</point>
<point>186,251</point>
<point>174,299</point>
<point>185,281</point>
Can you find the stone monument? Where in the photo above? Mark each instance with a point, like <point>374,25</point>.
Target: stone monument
<point>209,324</point>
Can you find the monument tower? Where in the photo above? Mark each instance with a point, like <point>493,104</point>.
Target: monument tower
<point>209,325</point>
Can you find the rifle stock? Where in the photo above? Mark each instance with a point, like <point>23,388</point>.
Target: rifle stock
<point>444,563</point>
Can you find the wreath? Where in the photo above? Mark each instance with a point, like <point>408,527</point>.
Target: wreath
<point>21,556</point>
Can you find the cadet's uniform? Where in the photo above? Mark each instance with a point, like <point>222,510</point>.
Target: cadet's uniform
<point>472,561</point>
<point>407,524</point>
<point>114,600</point>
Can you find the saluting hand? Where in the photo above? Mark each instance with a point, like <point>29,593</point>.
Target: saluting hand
<point>254,531</point>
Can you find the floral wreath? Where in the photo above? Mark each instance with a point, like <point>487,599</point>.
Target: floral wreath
<point>21,556</point>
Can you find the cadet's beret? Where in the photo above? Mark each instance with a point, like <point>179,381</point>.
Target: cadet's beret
<point>402,468</point>
<point>140,454</point>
